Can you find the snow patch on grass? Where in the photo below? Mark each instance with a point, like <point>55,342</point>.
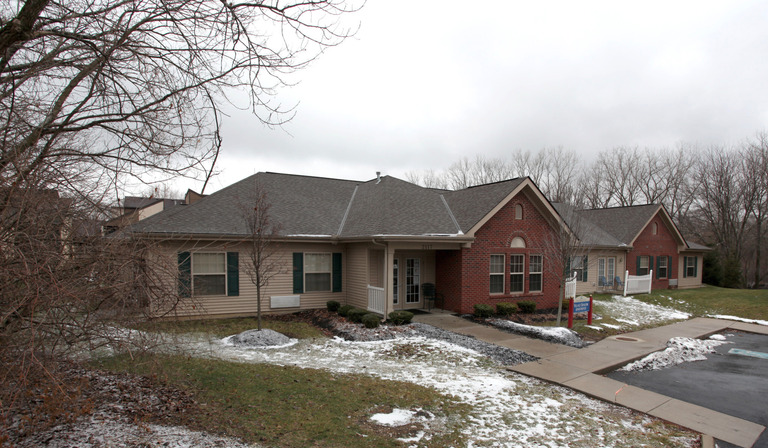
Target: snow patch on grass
<point>633,312</point>
<point>741,319</point>
<point>508,409</point>
<point>560,335</point>
<point>678,351</point>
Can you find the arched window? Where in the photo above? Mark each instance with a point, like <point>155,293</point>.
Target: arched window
<point>518,211</point>
<point>655,228</point>
<point>517,243</point>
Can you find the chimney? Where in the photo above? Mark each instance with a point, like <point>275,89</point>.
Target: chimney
<point>378,176</point>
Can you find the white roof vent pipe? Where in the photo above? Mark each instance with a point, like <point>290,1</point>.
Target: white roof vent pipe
<point>378,176</point>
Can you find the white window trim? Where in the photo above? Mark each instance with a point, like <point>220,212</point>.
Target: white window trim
<point>502,273</point>
<point>193,274</point>
<point>329,272</point>
<point>539,273</point>
<point>666,266</point>
<point>417,284</point>
<point>521,273</point>
<point>647,265</point>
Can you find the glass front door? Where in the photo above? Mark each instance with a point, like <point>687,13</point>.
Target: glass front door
<point>412,280</point>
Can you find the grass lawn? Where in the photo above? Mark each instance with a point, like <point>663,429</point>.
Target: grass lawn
<point>285,406</point>
<point>227,327</point>
<point>747,303</point>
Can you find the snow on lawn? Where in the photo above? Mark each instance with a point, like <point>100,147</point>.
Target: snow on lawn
<point>633,312</point>
<point>560,335</point>
<point>509,410</point>
<point>678,351</point>
<point>741,319</point>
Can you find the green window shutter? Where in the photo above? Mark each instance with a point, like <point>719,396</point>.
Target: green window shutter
<point>233,274</point>
<point>298,272</point>
<point>585,265</point>
<point>669,267</point>
<point>336,272</point>
<point>637,266</point>
<point>695,266</point>
<point>185,274</point>
<point>568,268</point>
<point>658,263</point>
<point>685,267</point>
<point>650,263</point>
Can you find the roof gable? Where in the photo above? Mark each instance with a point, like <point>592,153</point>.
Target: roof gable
<point>627,223</point>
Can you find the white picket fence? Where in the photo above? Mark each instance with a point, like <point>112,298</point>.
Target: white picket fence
<point>638,284</point>
<point>570,287</point>
<point>377,300</point>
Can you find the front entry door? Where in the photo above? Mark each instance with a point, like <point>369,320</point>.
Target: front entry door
<point>412,280</point>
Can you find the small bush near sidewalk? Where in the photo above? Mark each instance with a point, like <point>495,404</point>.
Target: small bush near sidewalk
<point>345,309</point>
<point>527,306</point>
<point>482,310</point>
<point>356,315</point>
<point>506,308</point>
<point>400,317</point>
<point>371,320</point>
<point>332,306</point>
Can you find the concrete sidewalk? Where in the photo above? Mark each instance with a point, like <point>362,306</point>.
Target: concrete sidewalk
<point>580,369</point>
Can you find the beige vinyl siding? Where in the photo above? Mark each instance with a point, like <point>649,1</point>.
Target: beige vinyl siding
<point>281,283</point>
<point>592,284</point>
<point>376,268</point>
<point>357,275</point>
<point>689,282</point>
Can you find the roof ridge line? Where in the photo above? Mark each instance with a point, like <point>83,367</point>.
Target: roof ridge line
<point>450,213</point>
<point>346,212</point>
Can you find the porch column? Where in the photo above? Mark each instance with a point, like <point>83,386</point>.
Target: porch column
<point>389,256</point>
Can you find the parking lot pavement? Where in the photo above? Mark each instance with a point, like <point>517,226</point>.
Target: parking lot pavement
<point>733,381</point>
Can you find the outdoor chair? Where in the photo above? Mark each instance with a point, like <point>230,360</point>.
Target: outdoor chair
<point>617,281</point>
<point>430,295</point>
<point>603,282</point>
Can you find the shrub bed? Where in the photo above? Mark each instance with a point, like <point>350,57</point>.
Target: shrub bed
<point>371,320</point>
<point>332,305</point>
<point>345,309</point>
<point>482,310</point>
<point>506,308</point>
<point>527,306</point>
<point>400,317</point>
<point>356,315</point>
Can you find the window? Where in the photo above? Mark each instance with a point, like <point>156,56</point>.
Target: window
<point>535,276</point>
<point>606,270</point>
<point>579,265</point>
<point>395,280</point>
<point>412,279</point>
<point>209,274</point>
<point>516,272</point>
<point>655,228</point>
<point>497,274</point>
<point>643,265</point>
<point>317,272</point>
<point>518,211</point>
<point>690,266</point>
<point>661,267</point>
<point>517,243</point>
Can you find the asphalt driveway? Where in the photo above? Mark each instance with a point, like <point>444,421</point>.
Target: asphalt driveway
<point>730,381</point>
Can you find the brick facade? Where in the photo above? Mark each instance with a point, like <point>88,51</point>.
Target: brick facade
<point>464,277</point>
<point>656,240</point>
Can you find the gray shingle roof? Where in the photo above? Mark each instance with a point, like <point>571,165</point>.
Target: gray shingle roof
<point>472,204</point>
<point>313,206</point>
<point>623,223</point>
<point>589,232</point>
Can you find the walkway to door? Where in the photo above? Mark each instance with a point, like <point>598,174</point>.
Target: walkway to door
<point>580,369</point>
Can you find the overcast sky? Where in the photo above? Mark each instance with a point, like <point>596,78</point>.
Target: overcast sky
<point>426,82</point>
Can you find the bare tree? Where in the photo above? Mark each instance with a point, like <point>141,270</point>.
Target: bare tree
<point>620,167</point>
<point>125,89</point>
<point>756,165</point>
<point>262,262</point>
<point>97,93</point>
<point>559,181</point>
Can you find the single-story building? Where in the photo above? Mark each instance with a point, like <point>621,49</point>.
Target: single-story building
<point>635,239</point>
<point>371,244</point>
